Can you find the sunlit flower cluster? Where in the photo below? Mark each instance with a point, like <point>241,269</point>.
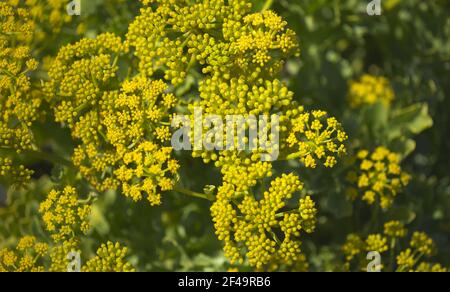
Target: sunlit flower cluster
<point>370,90</point>
<point>66,219</point>
<point>19,102</point>
<point>122,128</point>
<point>64,214</point>
<point>408,260</point>
<point>49,15</point>
<point>266,229</point>
<point>27,256</point>
<point>378,179</point>
<point>239,55</point>
<point>12,173</point>
<point>218,35</point>
<point>316,138</point>
<point>110,258</point>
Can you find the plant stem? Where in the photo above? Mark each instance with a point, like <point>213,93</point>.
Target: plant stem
<point>194,194</point>
<point>267,5</point>
<point>293,156</point>
<point>48,157</point>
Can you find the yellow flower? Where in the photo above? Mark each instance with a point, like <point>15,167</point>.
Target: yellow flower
<point>64,215</point>
<point>353,247</point>
<point>422,243</point>
<point>395,229</point>
<point>376,242</point>
<point>110,258</point>
<point>122,129</point>
<point>255,228</point>
<point>378,178</point>
<point>370,90</point>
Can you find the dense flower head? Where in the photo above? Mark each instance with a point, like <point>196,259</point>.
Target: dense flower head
<point>395,229</point>
<point>26,257</point>
<point>123,129</point>
<point>421,245</point>
<point>376,242</point>
<point>19,101</point>
<point>421,242</point>
<point>239,96</point>
<point>110,258</point>
<point>410,259</point>
<point>370,90</point>
<point>233,165</point>
<point>353,246</point>
<point>64,215</point>
<point>220,36</point>
<point>379,177</point>
<point>431,268</point>
<point>310,137</point>
<point>13,173</point>
<point>269,235</point>
<point>316,138</point>
<point>49,15</point>
<point>59,254</point>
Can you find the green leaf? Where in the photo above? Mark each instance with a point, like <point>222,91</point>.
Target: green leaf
<point>403,146</point>
<point>377,117</point>
<point>403,214</point>
<point>98,220</point>
<point>339,206</point>
<point>411,120</point>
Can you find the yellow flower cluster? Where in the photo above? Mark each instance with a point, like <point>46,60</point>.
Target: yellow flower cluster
<point>63,214</point>
<point>422,243</point>
<point>26,257</point>
<point>395,229</point>
<point>122,129</point>
<point>353,247</point>
<point>32,256</point>
<point>65,217</point>
<point>316,138</point>
<point>51,14</point>
<point>239,54</point>
<point>110,258</point>
<point>268,234</point>
<point>218,35</point>
<point>420,246</point>
<point>431,268</point>
<point>15,174</point>
<point>408,260</point>
<point>18,102</point>
<point>376,242</point>
<point>59,254</point>
<point>233,165</point>
<point>311,137</point>
<point>378,179</point>
<point>370,90</point>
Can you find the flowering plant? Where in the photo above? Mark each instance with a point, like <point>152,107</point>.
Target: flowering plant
<point>176,129</point>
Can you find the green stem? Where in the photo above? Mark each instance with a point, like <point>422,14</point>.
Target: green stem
<point>194,194</point>
<point>392,255</point>
<point>293,156</point>
<point>47,157</point>
<point>267,5</point>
